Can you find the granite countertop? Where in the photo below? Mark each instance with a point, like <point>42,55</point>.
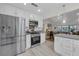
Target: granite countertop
<point>76,37</point>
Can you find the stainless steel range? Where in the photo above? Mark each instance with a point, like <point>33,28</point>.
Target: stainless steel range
<point>35,39</point>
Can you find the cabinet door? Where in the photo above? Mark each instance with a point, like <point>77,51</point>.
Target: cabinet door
<point>18,45</point>
<point>23,26</point>
<point>28,41</point>
<point>40,24</point>
<point>17,27</point>
<point>22,43</point>
<point>76,48</point>
<point>63,46</point>
<point>20,33</point>
<point>67,48</point>
<point>42,37</point>
<point>58,45</point>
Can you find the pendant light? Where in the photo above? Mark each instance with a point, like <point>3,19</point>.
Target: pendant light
<point>63,19</point>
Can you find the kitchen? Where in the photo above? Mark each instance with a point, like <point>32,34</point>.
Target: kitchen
<point>14,35</point>
<point>66,32</point>
<point>24,27</point>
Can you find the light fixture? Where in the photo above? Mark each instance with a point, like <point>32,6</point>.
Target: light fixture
<point>31,15</point>
<point>64,21</point>
<point>78,19</point>
<point>77,14</point>
<point>63,8</point>
<point>59,17</point>
<point>38,10</point>
<point>24,3</point>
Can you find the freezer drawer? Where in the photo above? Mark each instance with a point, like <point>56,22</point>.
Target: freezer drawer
<point>8,48</point>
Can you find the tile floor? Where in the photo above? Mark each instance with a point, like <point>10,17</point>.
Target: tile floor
<point>45,49</point>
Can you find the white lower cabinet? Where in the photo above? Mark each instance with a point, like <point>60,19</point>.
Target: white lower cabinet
<point>66,46</point>
<point>58,44</point>
<point>42,37</point>
<point>76,48</point>
<point>63,46</point>
<point>28,41</point>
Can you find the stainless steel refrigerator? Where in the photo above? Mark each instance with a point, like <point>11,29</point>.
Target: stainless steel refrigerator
<point>7,35</point>
<point>12,35</point>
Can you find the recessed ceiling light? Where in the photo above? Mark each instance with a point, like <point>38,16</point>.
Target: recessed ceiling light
<point>38,10</point>
<point>64,21</point>
<point>24,3</point>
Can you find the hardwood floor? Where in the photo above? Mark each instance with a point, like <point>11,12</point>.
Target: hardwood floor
<point>45,49</point>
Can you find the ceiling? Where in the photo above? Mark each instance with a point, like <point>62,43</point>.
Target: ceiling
<point>71,18</point>
<point>47,9</point>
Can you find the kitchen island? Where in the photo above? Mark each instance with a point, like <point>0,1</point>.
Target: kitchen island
<point>66,44</point>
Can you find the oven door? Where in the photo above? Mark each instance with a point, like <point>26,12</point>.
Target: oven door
<point>35,40</point>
